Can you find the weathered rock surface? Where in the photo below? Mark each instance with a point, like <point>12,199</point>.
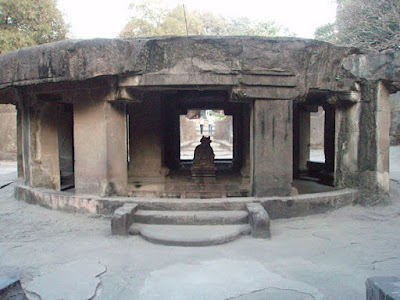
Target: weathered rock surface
<point>383,288</point>
<point>10,289</point>
<point>375,66</point>
<point>74,280</point>
<point>288,66</point>
<point>224,278</point>
<point>122,219</point>
<point>259,220</point>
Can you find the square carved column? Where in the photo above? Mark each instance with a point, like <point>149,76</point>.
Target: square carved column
<point>20,159</point>
<point>304,139</point>
<point>100,146</point>
<point>39,143</point>
<point>272,147</point>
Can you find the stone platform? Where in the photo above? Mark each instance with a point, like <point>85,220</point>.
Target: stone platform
<point>201,222</point>
<point>181,185</point>
<point>277,207</point>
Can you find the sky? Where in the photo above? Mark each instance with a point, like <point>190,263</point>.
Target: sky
<point>105,19</point>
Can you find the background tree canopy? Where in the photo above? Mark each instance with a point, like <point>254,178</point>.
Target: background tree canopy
<point>26,22</point>
<point>364,23</point>
<point>151,18</point>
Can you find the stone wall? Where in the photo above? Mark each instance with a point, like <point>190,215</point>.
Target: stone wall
<point>395,119</point>
<point>8,132</point>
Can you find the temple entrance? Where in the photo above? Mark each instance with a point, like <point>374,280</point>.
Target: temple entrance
<point>164,130</point>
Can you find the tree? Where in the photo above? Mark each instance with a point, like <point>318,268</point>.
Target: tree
<point>369,23</point>
<point>326,33</point>
<point>174,22</point>
<point>150,18</point>
<point>29,22</point>
<point>365,23</point>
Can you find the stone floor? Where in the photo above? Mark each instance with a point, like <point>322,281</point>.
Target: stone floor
<point>328,256</point>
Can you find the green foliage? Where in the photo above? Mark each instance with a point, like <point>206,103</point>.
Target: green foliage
<point>29,22</point>
<point>364,23</point>
<point>369,23</point>
<point>326,33</point>
<point>150,18</point>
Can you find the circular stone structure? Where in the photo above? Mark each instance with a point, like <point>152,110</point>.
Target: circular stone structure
<point>101,119</point>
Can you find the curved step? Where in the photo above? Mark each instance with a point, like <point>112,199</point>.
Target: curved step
<point>190,235</point>
<point>191,217</point>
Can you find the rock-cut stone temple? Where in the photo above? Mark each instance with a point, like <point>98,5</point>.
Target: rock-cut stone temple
<point>120,120</point>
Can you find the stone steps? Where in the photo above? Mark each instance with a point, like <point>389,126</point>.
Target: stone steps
<point>191,217</point>
<point>221,204</point>
<point>191,227</point>
<point>190,235</point>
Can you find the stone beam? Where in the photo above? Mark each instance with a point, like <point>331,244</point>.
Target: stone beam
<point>8,96</point>
<point>179,79</point>
<point>264,93</point>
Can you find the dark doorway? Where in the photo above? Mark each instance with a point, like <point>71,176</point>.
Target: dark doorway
<point>66,145</point>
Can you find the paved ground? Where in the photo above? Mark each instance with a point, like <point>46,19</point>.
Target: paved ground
<point>329,256</point>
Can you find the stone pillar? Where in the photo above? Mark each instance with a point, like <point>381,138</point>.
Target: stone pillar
<point>329,138</point>
<point>383,140</point>
<point>146,139</point>
<point>20,159</point>
<point>25,141</point>
<point>100,147</point>
<point>347,139</point>
<point>40,145</point>
<point>304,139</point>
<point>272,146</point>
<point>374,139</point>
<point>246,124</point>
<point>45,164</point>
<point>117,151</point>
<point>362,150</point>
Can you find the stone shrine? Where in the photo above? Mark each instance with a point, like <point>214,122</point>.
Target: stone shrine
<point>102,118</point>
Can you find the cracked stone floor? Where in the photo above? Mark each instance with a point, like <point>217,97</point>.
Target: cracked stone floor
<point>60,255</point>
